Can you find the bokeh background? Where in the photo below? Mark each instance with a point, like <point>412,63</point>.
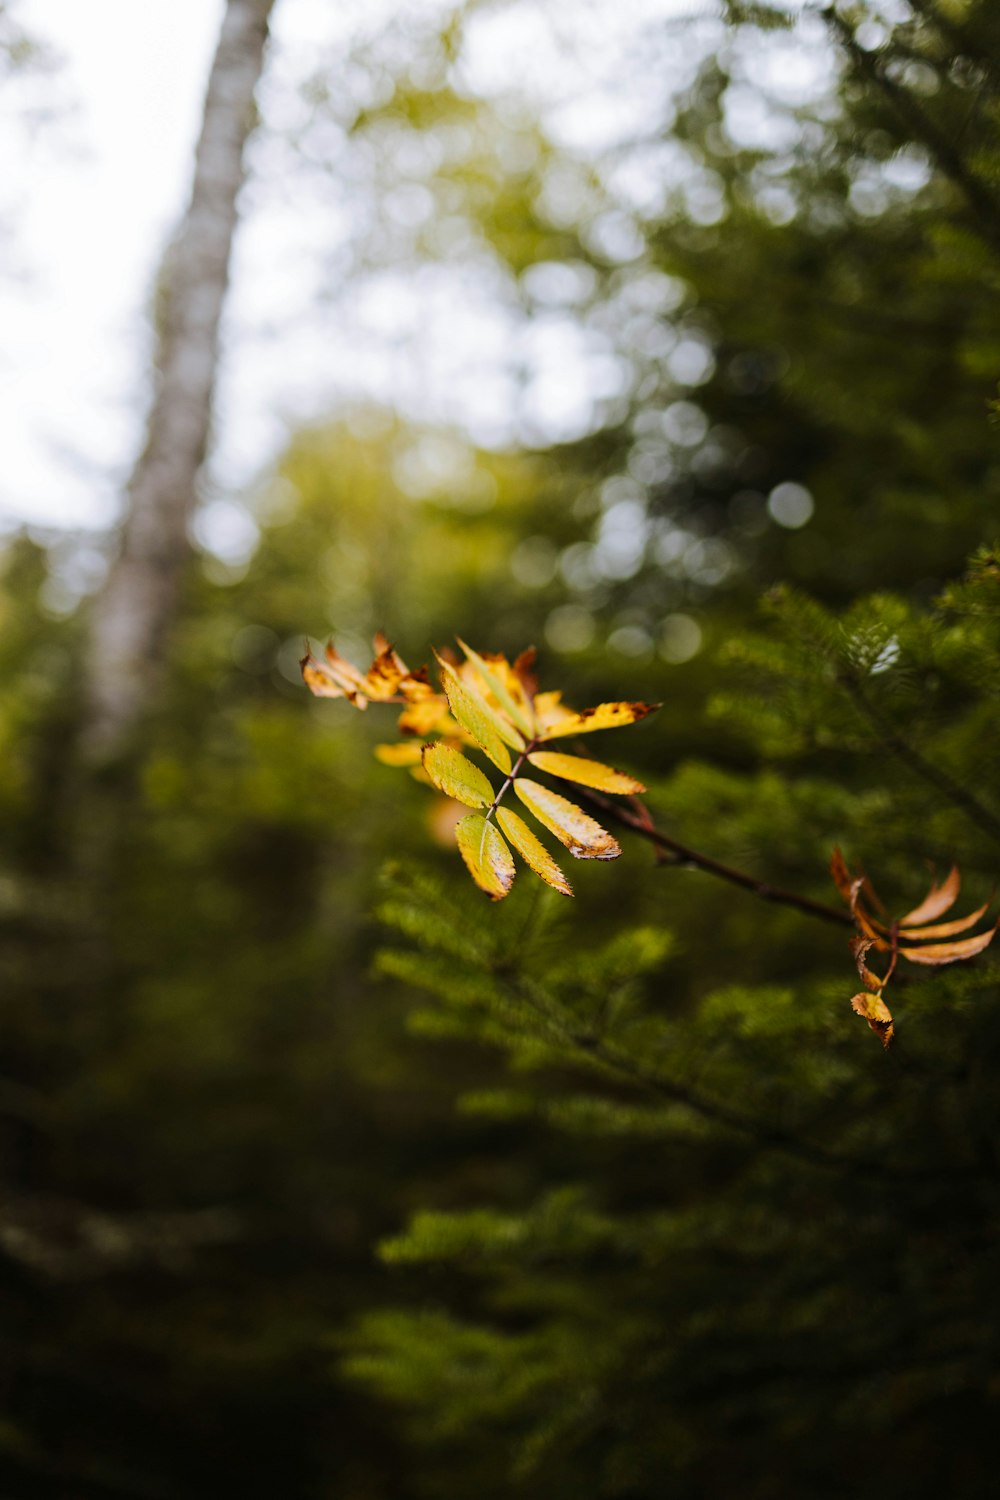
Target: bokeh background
<point>577,325</point>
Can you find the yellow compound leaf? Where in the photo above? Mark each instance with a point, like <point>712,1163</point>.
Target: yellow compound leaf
<point>491,730</point>
<point>387,680</point>
<point>585,772</point>
<point>876,1013</point>
<point>407,754</point>
<point>487,858</point>
<point>583,837</point>
<point>549,708</point>
<point>499,677</point>
<point>532,850</point>
<point>425,716</point>
<point>604,716</point>
<point>456,776</point>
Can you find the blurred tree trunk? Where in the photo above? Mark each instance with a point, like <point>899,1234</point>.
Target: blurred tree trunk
<point>133,613</point>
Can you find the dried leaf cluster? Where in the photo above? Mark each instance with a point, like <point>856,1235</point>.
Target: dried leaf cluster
<point>918,936</point>
<point>492,706</point>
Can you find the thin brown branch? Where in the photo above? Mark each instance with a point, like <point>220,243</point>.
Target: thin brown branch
<point>683,854</point>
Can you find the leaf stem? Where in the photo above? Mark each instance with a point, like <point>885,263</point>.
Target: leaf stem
<point>511,778</point>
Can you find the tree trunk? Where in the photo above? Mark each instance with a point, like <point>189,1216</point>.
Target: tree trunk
<point>134,611</point>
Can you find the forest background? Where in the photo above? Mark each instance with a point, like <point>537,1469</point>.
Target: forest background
<point>323,1177</point>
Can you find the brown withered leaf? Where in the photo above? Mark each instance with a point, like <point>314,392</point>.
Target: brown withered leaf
<point>861,946</point>
<point>524,671</point>
<point>916,925</point>
<point>851,887</point>
<point>417,684</point>
<point>842,877</point>
<point>907,938</point>
<point>385,675</point>
<point>322,683</point>
<point>644,819</point>
<point>876,1013</point>
<point>939,899</point>
<point>950,953</point>
<point>945,929</point>
<point>869,927</point>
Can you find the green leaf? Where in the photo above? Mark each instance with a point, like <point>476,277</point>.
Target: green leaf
<point>498,688</point>
<point>491,731</point>
<point>456,776</point>
<point>489,861</point>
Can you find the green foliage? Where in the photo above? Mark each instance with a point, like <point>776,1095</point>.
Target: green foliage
<point>726,1253</point>
<point>210,1110</point>
<point>656,1213</point>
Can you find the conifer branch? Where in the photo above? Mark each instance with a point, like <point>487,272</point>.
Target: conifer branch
<point>769,1137</point>
<point>978,197</point>
<point>961,40</point>
<point>897,744</point>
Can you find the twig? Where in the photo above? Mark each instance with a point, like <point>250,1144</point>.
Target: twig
<point>687,856</point>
